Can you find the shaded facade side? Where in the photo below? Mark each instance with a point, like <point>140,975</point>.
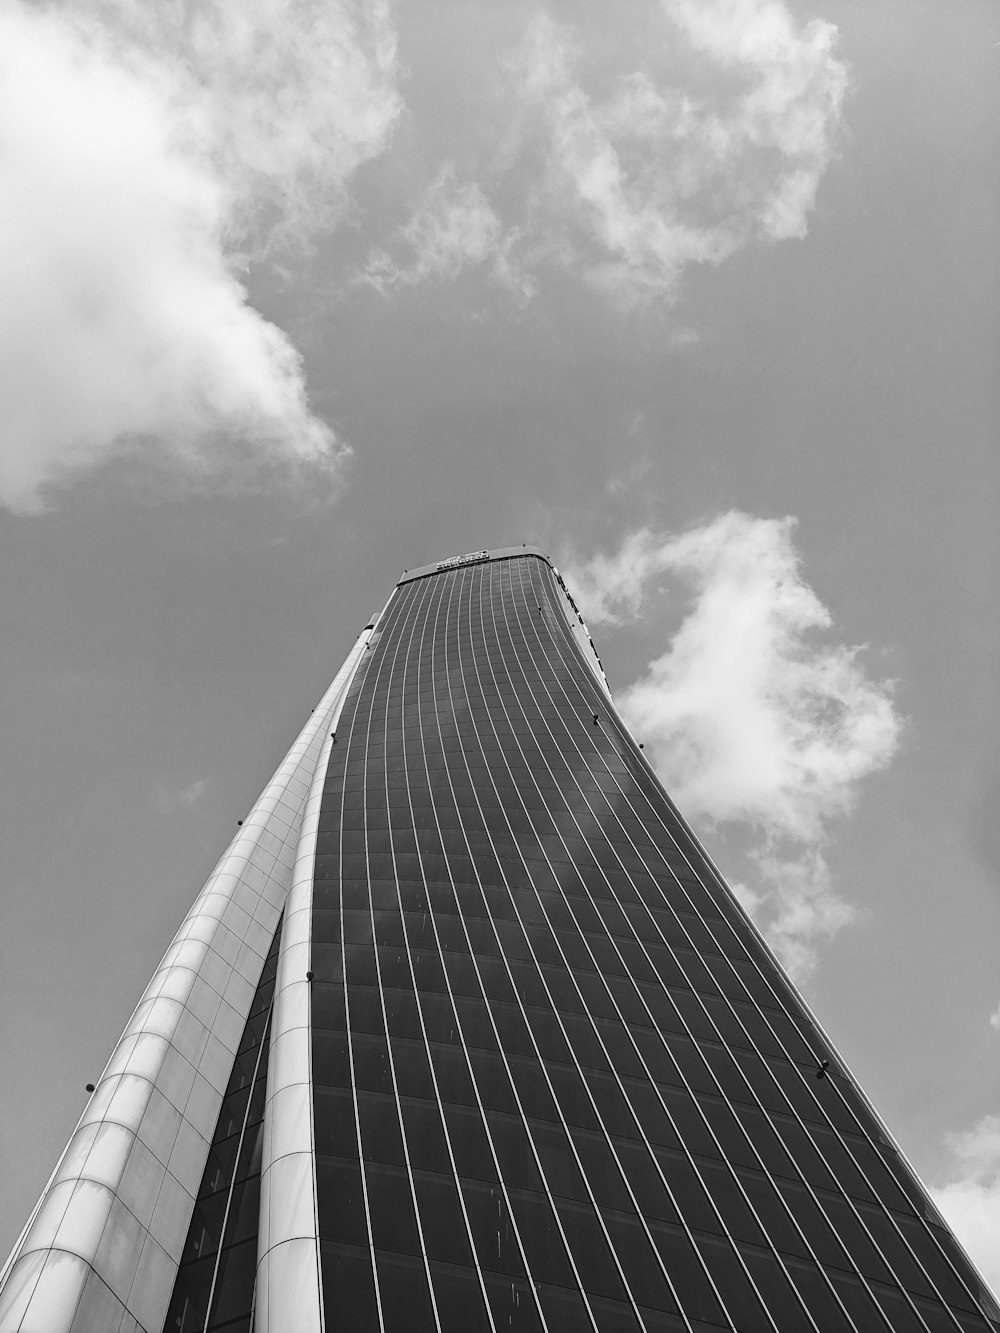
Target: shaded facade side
<point>558,1081</point>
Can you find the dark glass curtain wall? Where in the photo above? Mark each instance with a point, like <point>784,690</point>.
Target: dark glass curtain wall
<point>559,1084</point>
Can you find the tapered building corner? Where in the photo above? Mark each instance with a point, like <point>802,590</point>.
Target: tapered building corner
<point>465,1032</point>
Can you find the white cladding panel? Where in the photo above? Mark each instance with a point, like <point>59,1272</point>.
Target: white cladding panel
<point>101,1249</point>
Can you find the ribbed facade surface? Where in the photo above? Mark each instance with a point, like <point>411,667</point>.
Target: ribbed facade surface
<point>512,1059</point>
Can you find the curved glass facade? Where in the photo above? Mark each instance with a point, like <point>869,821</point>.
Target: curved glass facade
<point>558,1081</point>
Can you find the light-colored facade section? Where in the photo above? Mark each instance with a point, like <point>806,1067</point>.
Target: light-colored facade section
<point>101,1249</point>
<point>578,628</point>
<point>289,1292</point>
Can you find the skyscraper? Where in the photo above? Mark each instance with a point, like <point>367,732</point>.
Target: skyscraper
<point>465,1032</point>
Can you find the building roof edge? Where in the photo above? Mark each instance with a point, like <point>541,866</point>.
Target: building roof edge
<point>471,558</point>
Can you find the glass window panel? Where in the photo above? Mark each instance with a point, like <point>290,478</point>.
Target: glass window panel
<point>818,1294</point>
<point>513,1304</point>
<point>547,1031</point>
<point>453,1078</point>
<point>773,1214</point>
<point>572,1099</point>
<point>440,1023</point>
<point>234,1286</point>
<point>341,1201</point>
<point>591,1252</point>
<point>335,1129</point>
<point>515,1037</point>
<point>492,1229</point>
<point>425,1136</point>
<point>413,1073</point>
<point>562,1175</point>
<point>612,1107</point>
<point>689,1123</point>
<point>470,1144</point>
<point>380,1133</point>
<point>540,1236</point>
<point>858,1302</point>
<point>643,1175</point>
<point>402,1012</point>
<point>404,1294</point>
<point>777,1292</point>
<point>688,1191</point>
<point>643,1269</point>
<point>349,1284</point>
<point>532,1083</point>
<point>493,1082</point>
<point>602,1171</point>
<point>565,1310</point>
<point>459,1299</point>
<point>366,1010</point>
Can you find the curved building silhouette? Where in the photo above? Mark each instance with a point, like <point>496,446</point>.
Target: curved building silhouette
<point>466,1033</point>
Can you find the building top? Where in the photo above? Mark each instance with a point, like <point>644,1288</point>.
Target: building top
<point>472,558</point>
<point>570,609</point>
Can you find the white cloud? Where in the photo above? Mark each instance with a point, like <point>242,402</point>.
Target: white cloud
<point>970,1200</point>
<point>143,149</point>
<point>722,139</point>
<point>184,799</point>
<point>751,716</point>
<point>453,227</point>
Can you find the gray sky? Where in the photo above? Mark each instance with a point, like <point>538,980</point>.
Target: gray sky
<point>292,308</point>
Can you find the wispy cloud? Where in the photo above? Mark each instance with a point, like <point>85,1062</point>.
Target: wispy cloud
<point>453,227</point>
<point>995,1019</point>
<point>145,153</point>
<point>626,176</point>
<point>167,802</point>
<point>664,171</point>
<point>752,716</point>
<point>970,1200</point>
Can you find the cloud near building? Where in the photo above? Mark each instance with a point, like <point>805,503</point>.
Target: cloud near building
<point>148,153</point>
<point>754,719</point>
<point>970,1199</point>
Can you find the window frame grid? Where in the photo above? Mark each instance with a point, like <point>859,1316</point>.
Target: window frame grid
<point>561,646</point>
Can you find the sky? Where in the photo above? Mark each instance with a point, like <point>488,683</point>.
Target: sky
<point>699,295</point>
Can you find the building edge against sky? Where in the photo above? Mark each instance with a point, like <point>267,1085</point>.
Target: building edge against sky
<point>209,1101</point>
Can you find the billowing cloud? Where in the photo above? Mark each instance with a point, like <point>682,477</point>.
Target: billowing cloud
<point>145,151</point>
<point>970,1200</point>
<point>753,718</point>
